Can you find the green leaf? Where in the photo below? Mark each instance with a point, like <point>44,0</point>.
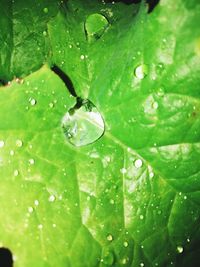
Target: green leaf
<point>24,44</point>
<point>132,197</point>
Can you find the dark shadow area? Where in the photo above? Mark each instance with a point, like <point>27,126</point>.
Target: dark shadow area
<point>67,81</point>
<point>151,3</point>
<point>6,259</point>
<point>2,82</point>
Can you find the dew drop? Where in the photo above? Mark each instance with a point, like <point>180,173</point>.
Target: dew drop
<point>31,161</point>
<point>95,26</point>
<point>36,202</point>
<point>125,244</point>
<point>141,217</point>
<point>51,105</point>
<point>30,209</point>
<point>32,101</point>
<point>52,198</point>
<point>107,257</point>
<point>40,226</point>
<point>109,237</point>
<point>2,143</point>
<point>84,125</point>
<point>82,57</point>
<point>151,174</point>
<point>19,143</point>
<point>138,163</point>
<point>45,10</point>
<point>16,173</point>
<point>141,264</point>
<point>141,71</point>
<point>12,152</point>
<point>179,249</point>
<point>123,170</point>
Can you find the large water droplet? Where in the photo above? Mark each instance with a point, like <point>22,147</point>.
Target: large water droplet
<point>95,26</point>
<point>83,125</point>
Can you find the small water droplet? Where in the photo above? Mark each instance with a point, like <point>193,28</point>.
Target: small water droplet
<point>84,125</point>
<point>138,163</point>
<point>30,209</point>
<point>31,161</point>
<point>155,105</point>
<point>123,170</point>
<point>32,101</point>
<point>141,264</point>
<point>2,143</point>
<point>141,217</point>
<point>19,143</point>
<point>179,249</point>
<point>40,226</point>
<point>95,26</point>
<point>54,225</point>
<point>151,174</point>
<point>51,105</point>
<point>82,57</point>
<point>52,198</point>
<point>16,173</point>
<point>125,244</point>
<point>46,10</point>
<point>12,152</point>
<point>36,202</point>
<point>141,71</point>
<point>109,237</point>
<point>107,257</point>
<point>160,68</point>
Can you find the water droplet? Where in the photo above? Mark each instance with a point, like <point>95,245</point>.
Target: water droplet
<point>44,33</point>
<point>16,173</point>
<point>151,174</point>
<point>19,143</point>
<point>32,101</point>
<point>95,26</point>
<point>2,143</point>
<point>125,244</point>
<point>40,226</point>
<point>30,209</point>
<point>12,153</point>
<point>51,105</point>
<point>31,161</point>
<point>45,10</point>
<point>155,105</point>
<point>107,257</point>
<point>82,57</point>
<point>125,261</point>
<point>54,225</point>
<point>141,71</point>
<point>160,68</point>
<point>179,249</point>
<point>109,237</point>
<point>138,163</point>
<point>84,125</point>
<point>141,264</point>
<point>123,170</point>
<point>141,217</point>
<point>52,198</point>
<point>36,202</point>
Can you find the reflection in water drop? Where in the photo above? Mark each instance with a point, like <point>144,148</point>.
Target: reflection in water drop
<point>95,26</point>
<point>83,125</point>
